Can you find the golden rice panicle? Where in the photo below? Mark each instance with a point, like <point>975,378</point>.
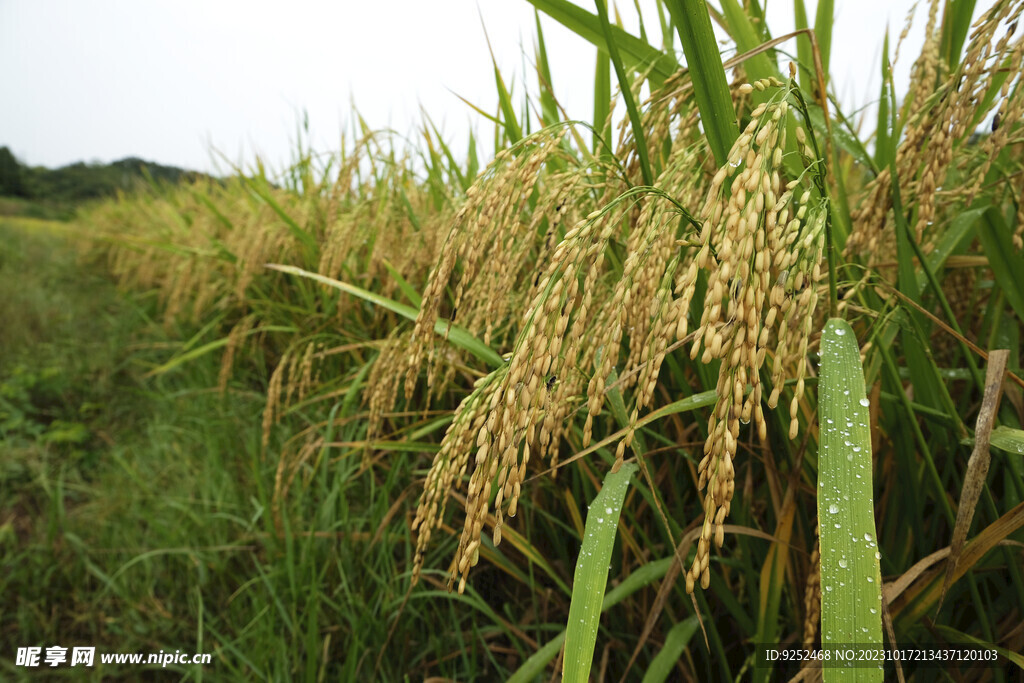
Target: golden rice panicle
<point>520,408</point>
<point>942,111</point>
<point>235,337</point>
<point>812,593</point>
<point>382,384</point>
<point>950,120</point>
<point>492,214</point>
<point>671,123</point>
<point>1006,61</point>
<point>748,241</point>
<point>274,391</point>
<point>449,467</point>
<point>648,309</point>
<point>928,66</point>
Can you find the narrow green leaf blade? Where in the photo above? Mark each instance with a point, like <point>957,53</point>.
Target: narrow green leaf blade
<point>591,577</point>
<point>535,664</point>
<point>710,87</point>
<point>1008,439</point>
<point>1006,262</point>
<point>459,336</point>
<point>804,53</point>
<point>627,94</point>
<point>588,26</point>
<point>851,581</point>
<point>823,32</point>
<point>675,642</point>
<point>548,104</point>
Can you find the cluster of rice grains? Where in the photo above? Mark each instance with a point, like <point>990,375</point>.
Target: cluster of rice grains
<point>943,111</point>
<point>761,248</point>
<point>758,243</point>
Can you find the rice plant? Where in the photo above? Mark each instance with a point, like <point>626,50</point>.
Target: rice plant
<point>670,313</point>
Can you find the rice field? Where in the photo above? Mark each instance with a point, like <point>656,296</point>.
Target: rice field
<point>722,371</point>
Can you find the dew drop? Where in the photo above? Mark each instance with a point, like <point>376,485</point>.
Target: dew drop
<point>842,563</point>
<point>840,331</point>
<point>867,537</point>
<point>833,508</point>
<point>864,402</point>
<point>828,588</point>
<point>608,510</point>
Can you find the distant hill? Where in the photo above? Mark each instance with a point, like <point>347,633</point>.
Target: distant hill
<point>56,192</point>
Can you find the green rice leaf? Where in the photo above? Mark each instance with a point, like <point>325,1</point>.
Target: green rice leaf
<point>591,577</point>
<point>212,346</point>
<point>548,104</point>
<point>1009,439</point>
<point>627,94</point>
<point>851,581</point>
<point>823,32</point>
<point>602,104</point>
<point>883,139</point>
<point>637,579</point>
<point>535,664</point>
<point>588,26</point>
<point>956,22</point>
<point>747,38</point>
<point>675,642</point>
<point>804,53</point>
<point>1006,262</point>
<point>459,336</point>
<point>408,290</point>
<point>710,87</point>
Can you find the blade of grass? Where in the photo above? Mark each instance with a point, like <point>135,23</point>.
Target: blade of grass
<point>602,104</point>
<point>823,32</point>
<point>1006,262</point>
<point>803,48</point>
<point>851,582</point>
<point>591,578</point>
<point>747,37</point>
<point>956,22</point>
<point>508,113</point>
<point>675,642</point>
<point>548,104</point>
<point>534,666</point>
<point>638,578</point>
<point>710,86</point>
<point>627,93</point>
<point>408,290</point>
<point>588,26</point>
<point>1009,439</point>
<point>883,143</point>
<point>212,346</point>
<point>457,335</point>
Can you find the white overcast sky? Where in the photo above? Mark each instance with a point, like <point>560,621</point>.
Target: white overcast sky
<point>172,80</point>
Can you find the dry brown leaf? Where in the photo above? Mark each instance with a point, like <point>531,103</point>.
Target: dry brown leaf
<point>977,466</point>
